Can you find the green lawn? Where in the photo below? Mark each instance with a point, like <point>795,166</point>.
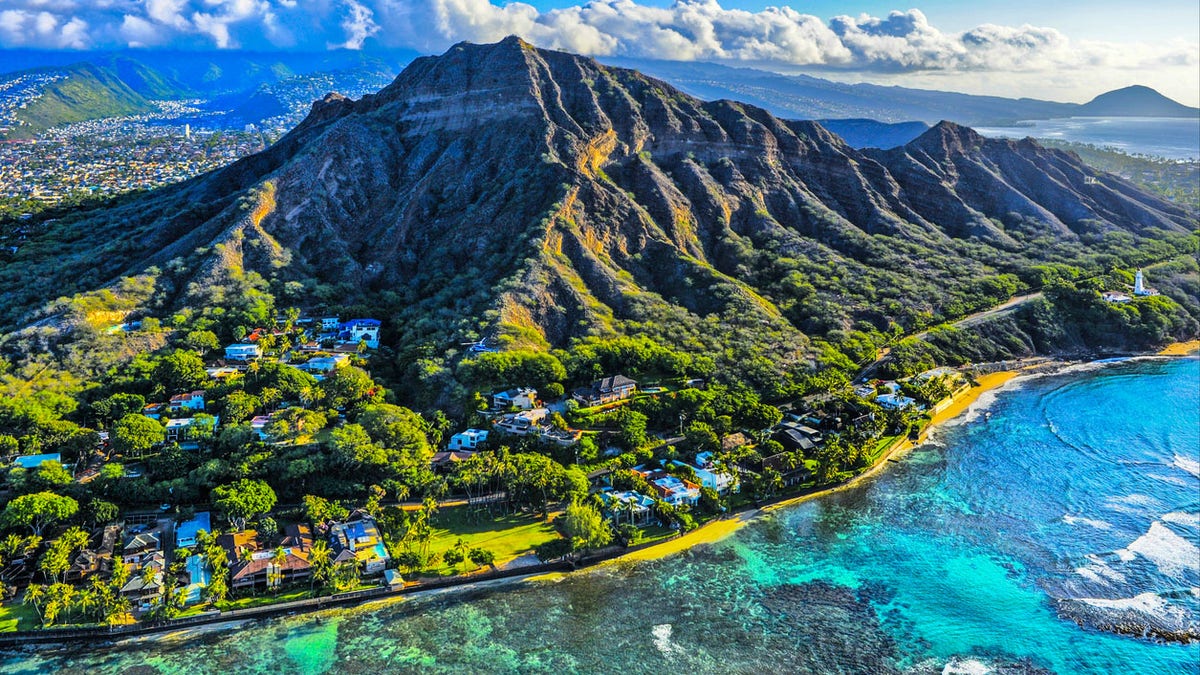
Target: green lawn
<point>267,598</point>
<point>16,616</point>
<point>881,447</point>
<point>507,537</point>
<point>656,533</point>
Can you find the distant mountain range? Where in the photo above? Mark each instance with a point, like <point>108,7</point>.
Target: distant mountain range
<point>256,85</point>
<point>806,97</point>
<point>539,194</point>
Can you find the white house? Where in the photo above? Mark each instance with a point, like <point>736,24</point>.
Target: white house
<point>188,428</point>
<point>523,422</point>
<point>675,491</point>
<point>468,440</point>
<point>715,480</point>
<point>522,398</point>
<point>330,323</point>
<point>243,351</point>
<point>323,365</point>
<point>360,330</point>
<point>895,401</point>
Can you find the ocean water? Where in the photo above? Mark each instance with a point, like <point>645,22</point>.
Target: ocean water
<point>1030,539</point>
<point>1170,137</point>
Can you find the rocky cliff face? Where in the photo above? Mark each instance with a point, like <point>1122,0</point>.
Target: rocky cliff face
<point>537,190</point>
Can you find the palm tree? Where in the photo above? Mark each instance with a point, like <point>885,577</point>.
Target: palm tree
<point>320,557</point>
<point>278,560</point>
<point>35,596</point>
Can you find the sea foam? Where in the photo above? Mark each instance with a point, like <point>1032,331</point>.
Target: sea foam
<point>1188,464</point>
<point>1171,553</point>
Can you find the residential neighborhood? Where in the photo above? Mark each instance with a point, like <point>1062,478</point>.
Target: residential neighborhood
<point>651,457</point>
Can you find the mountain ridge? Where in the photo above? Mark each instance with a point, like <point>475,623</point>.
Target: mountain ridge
<point>542,197</point>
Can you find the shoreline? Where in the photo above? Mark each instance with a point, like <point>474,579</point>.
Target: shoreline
<point>1180,348</point>
<point>717,530</point>
<point>712,532</point>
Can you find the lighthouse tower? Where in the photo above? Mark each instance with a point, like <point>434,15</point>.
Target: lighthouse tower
<point>1139,284</point>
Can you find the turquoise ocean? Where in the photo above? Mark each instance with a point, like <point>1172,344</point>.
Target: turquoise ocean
<point>1053,528</point>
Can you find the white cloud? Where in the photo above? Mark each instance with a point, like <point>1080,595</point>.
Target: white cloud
<point>899,45</point>
<point>358,24</point>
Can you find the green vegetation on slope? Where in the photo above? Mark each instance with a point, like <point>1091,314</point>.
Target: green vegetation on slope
<point>88,93</point>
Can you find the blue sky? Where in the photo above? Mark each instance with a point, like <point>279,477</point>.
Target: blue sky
<point>1061,50</point>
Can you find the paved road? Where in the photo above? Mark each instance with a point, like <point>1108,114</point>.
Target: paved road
<point>965,322</point>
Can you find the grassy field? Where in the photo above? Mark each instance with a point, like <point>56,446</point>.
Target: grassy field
<point>15,616</point>
<point>265,599</point>
<point>881,447</point>
<point>507,537</point>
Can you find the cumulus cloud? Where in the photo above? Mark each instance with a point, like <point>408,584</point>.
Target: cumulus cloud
<point>901,43</point>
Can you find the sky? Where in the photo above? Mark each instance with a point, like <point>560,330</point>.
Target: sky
<point>1065,50</point>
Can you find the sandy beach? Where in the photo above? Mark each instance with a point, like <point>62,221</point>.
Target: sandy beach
<point>719,529</point>
<point>1180,348</point>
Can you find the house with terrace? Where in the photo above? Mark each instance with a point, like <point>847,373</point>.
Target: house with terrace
<point>189,401</point>
<point>146,581</point>
<point>358,538</point>
<point>141,546</point>
<point>521,398</point>
<point>357,331</point>
<point>260,566</point>
<point>606,390</point>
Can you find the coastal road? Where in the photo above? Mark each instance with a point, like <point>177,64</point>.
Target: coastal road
<point>965,322</point>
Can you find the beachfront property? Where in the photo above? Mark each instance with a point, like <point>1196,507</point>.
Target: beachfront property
<point>893,399</point>
<point>254,564</point>
<point>627,506</point>
<point>199,575</point>
<point>468,440</point>
<point>144,589</point>
<point>606,390</point>
<point>358,538</point>
<point>719,481</point>
<point>671,489</point>
<point>521,398</point>
<point>186,533</point>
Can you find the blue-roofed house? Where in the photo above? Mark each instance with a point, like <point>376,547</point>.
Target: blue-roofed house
<point>187,531</point>
<point>360,330</point>
<point>34,461</point>
<point>358,538</point>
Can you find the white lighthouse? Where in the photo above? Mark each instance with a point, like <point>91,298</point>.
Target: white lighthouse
<point>1139,285</point>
